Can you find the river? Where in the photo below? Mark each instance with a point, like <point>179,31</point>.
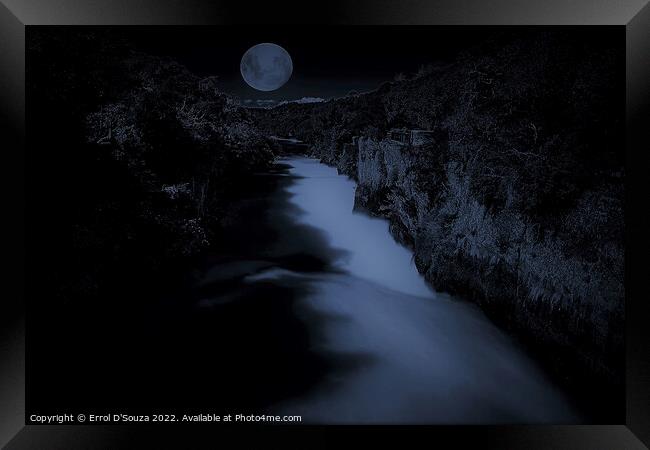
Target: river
<point>380,345</point>
<point>300,306</point>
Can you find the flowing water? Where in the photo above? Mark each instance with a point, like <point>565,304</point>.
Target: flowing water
<point>301,306</point>
<point>411,355</point>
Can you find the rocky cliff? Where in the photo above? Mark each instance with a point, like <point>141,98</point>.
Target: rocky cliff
<point>517,201</point>
<point>529,276</point>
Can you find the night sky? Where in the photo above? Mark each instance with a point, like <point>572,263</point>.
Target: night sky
<point>328,61</point>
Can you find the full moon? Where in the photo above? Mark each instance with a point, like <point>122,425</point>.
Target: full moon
<point>266,66</point>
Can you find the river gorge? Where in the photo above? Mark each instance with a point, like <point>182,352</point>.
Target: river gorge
<point>444,245</point>
<point>396,351</point>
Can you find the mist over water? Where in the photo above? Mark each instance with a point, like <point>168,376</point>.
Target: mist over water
<point>415,356</point>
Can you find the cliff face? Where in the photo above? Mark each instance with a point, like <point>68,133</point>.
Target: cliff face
<point>530,278</point>
<point>516,202</point>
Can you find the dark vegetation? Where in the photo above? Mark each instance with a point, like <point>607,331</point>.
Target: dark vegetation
<point>138,155</point>
<point>135,168</point>
<point>518,202</point>
<point>135,165</point>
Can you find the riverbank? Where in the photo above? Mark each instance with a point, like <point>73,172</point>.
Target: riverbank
<point>423,356</point>
<point>515,198</point>
<point>385,172</point>
<point>198,334</point>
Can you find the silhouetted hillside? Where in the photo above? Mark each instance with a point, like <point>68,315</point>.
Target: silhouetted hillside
<point>140,156</point>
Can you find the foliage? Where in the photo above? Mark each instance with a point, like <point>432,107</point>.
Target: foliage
<point>142,155</point>
<point>518,203</point>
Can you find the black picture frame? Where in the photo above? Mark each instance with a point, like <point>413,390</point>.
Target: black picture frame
<point>16,15</point>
